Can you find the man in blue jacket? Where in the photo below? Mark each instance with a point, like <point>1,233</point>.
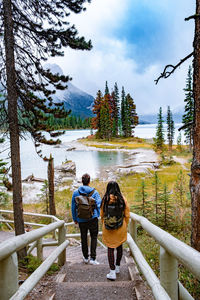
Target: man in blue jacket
<point>87,224</point>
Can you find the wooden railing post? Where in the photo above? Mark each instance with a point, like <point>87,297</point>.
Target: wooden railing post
<point>133,230</point>
<point>39,249</point>
<point>169,273</point>
<point>61,239</point>
<point>8,276</point>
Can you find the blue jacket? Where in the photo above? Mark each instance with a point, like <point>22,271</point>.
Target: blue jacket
<point>85,189</point>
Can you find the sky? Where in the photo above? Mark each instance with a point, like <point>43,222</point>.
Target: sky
<point>132,41</point>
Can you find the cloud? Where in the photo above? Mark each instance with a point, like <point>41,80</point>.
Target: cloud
<point>132,42</point>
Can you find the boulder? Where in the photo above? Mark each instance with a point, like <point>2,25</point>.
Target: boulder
<point>71,149</point>
<point>68,168</point>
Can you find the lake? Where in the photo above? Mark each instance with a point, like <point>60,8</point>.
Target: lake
<point>90,161</point>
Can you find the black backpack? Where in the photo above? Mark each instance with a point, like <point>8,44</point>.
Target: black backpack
<point>85,205</point>
<point>113,216</point>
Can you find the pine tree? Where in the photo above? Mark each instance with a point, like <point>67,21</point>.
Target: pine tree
<point>106,89</point>
<point>96,124</point>
<point>170,128</point>
<point>160,131</point>
<point>116,110</point>
<point>116,92</point>
<point>179,142</point>
<point>105,122</point>
<point>180,190</point>
<point>114,115</point>
<point>166,207</point>
<point>156,183</point>
<point>132,118</point>
<point>123,111</point>
<point>32,31</point>
<point>188,117</point>
<point>141,195</point>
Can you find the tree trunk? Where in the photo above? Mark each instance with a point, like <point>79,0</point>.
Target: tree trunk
<point>13,120</point>
<point>195,168</point>
<point>52,207</point>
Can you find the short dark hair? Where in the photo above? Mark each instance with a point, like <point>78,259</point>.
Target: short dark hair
<point>86,179</point>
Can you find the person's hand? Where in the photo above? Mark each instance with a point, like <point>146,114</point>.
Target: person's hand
<point>76,222</point>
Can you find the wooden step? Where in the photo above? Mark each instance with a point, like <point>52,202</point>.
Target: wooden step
<point>112,290</point>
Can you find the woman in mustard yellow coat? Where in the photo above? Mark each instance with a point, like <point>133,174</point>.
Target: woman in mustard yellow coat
<point>115,215</point>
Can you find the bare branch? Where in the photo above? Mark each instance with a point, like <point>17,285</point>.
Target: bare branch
<point>188,125</point>
<point>169,69</point>
<point>192,17</point>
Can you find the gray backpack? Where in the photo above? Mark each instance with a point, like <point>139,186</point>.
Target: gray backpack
<point>85,205</point>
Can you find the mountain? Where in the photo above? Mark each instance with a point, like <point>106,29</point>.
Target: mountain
<point>75,99</point>
<point>153,118</point>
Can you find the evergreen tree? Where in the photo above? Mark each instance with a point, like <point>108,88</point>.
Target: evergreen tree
<point>180,189</point>
<point>114,115</point>
<point>141,195</point>
<point>116,111</point>
<point>167,209</point>
<point>170,128</point>
<point>123,111</point>
<point>160,131</point>
<point>32,31</point>
<point>132,118</point>
<point>188,117</point>
<point>106,89</point>
<point>96,124</point>
<point>116,92</point>
<point>156,183</point>
<point>105,122</point>
<point>179,142</point>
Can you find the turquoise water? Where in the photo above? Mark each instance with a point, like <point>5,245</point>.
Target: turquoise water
<point>90,161</point>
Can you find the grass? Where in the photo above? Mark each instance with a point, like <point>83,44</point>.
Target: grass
<point>118,143</point>
<point>30,263</point>
<point>129,185</point>
<point>151,250</point>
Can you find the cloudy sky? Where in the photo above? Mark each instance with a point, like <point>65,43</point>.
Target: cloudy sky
<point>132,42</point>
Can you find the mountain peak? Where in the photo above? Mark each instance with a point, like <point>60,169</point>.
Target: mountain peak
<point>74,98</point>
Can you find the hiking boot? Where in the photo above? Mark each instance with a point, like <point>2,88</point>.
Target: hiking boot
<point>117,269</point>
<point>85,260</point>
<point>94,262</point>
<point>111,275</point>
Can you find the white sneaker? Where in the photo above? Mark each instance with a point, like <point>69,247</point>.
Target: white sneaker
<point>117,269</point>
<point>94,262</point>
<point>111,275</point>
<point>85,260</point>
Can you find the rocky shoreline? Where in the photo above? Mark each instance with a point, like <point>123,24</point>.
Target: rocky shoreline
<point>139,161</point>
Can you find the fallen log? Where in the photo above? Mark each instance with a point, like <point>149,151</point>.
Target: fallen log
<point>31,178</point>
<point>137,165</point>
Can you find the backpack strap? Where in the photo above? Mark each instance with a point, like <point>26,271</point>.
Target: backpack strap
<point>91,193</point>
<point>88,195</point>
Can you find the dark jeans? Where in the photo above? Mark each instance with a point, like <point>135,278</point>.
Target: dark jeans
<point>92,226</point>
<point>111,258</point>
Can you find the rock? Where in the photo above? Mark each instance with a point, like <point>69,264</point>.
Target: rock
<point>156,165</point>
<point>66,168</point>
<point>71,149</point>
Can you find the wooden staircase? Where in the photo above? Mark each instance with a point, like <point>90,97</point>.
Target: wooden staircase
<point>77,281</point>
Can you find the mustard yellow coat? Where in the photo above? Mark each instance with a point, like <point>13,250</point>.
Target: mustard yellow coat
<point>114,238</point>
